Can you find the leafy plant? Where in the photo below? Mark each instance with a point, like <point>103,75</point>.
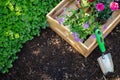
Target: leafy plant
<point>20,21</point>
<point>82,24</point>
<point>90,14</point>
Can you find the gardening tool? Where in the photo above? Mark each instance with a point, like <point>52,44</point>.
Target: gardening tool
<point>105,61</point>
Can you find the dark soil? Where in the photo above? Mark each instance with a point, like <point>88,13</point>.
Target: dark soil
<point>49,57</point>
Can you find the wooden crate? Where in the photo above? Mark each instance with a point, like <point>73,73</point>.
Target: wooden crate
<point>90,44</point>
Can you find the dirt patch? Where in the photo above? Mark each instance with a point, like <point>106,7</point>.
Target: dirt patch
<point>49,57</point>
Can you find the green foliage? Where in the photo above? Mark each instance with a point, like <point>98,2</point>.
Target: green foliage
<point>78,19</point>
<point>87,16</point>
<point>20,20</point>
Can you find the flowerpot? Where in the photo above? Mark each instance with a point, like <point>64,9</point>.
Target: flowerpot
<point>86,47</point>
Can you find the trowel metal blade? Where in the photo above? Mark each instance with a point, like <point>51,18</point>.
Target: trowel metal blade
<point>106,63</point>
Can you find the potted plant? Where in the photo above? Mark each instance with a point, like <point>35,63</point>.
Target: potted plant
<point>75,21</point>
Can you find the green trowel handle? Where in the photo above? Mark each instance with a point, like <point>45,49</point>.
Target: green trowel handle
<point>100,40</point>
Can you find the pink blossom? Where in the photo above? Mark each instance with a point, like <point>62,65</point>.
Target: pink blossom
<point>114,6</point>
<point>78,0</point>
<point>100,6</point>
<point>91,0</point>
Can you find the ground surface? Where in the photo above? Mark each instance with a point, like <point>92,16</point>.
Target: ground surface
<point>49,57</point>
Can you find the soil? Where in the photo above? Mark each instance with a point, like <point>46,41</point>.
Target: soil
<point>49,57</point>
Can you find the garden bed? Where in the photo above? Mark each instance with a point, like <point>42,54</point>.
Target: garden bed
<point>90,44</point>
<point>49,57</point>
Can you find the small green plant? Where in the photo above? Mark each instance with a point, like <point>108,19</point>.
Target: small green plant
<point>20,21</point>
<point>82,24</point>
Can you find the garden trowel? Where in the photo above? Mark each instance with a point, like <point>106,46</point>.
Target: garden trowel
<point>105,61</point>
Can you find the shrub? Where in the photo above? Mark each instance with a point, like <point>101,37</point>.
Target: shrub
<point>20,21</point>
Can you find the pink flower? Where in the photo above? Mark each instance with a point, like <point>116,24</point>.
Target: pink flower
<point>100,6</point>
<point>78,0</point>
<point>114,6</point>
<point>91,0</point>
